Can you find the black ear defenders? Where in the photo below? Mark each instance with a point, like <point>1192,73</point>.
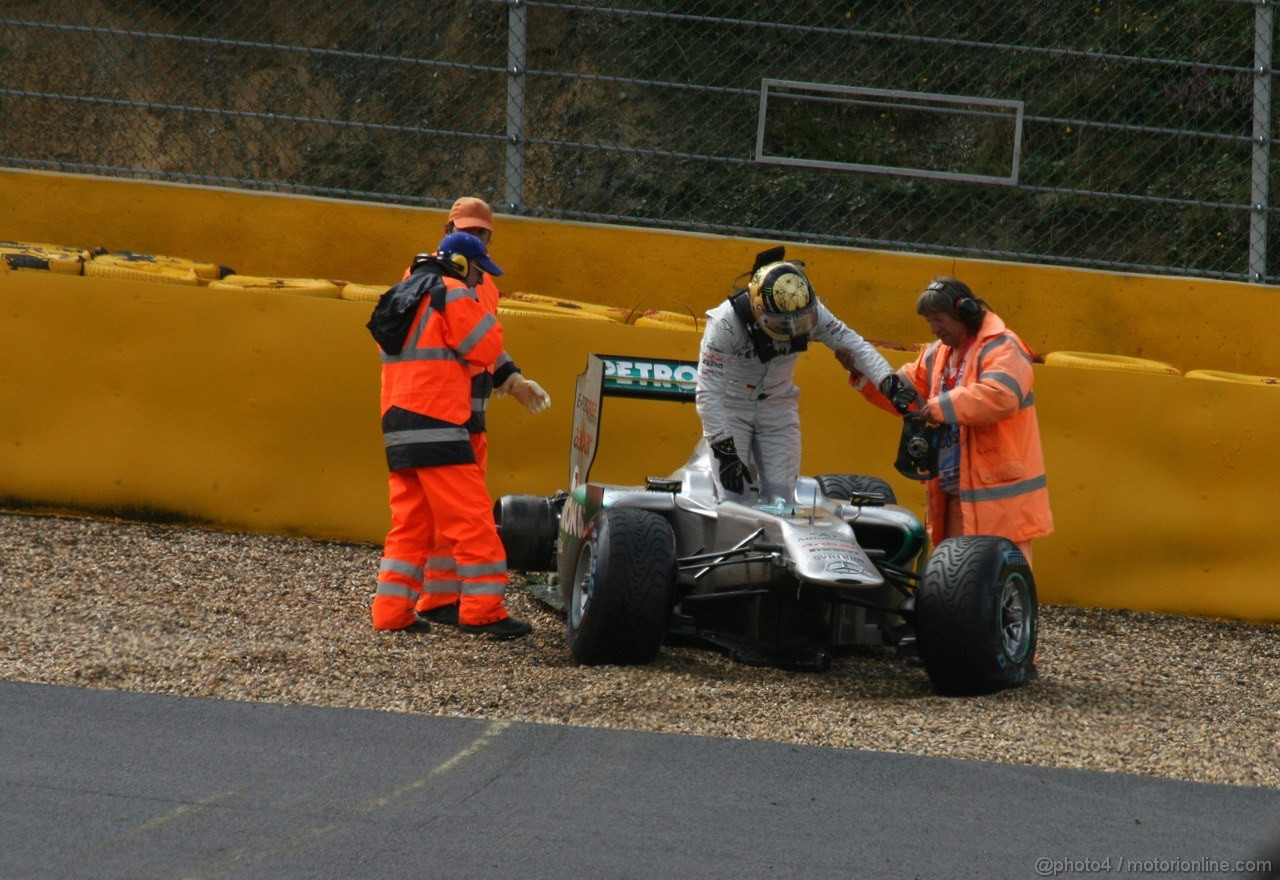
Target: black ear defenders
<point>967,308</point>
<point>963,304</point>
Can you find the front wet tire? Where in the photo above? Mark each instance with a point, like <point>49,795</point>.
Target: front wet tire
<point>623,587</point>
<point>977,618</point>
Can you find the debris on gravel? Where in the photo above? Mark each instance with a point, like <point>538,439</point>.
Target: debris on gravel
<point>162,609</point>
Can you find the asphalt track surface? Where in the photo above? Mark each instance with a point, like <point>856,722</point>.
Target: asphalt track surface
<point>101,784</point>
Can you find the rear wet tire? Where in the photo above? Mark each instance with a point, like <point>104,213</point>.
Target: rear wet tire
<point>527,525</point>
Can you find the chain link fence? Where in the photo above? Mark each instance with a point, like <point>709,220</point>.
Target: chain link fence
<point>1110,133</point>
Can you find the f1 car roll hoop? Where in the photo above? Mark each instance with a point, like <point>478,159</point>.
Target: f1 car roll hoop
<point>784,582</point>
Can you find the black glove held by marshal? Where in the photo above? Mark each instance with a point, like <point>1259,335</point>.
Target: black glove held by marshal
<point>733,472</point>
<point>901,394</point>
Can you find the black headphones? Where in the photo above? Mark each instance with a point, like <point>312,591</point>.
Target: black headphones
<point>965,306</point>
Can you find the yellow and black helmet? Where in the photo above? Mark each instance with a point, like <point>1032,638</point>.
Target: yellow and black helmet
<point>782,301</point>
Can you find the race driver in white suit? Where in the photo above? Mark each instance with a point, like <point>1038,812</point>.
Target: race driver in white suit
<point>746,396</point>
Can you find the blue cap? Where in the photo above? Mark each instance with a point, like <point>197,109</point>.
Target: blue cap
<point>467,245</point>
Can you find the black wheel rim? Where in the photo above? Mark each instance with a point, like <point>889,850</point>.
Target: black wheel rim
<point>1017,618</point>
<point>581,595</point>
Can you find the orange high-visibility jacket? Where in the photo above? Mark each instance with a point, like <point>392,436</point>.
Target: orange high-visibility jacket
<point>1003,486</point>
<point>484,380</point>
<point>426,388</point>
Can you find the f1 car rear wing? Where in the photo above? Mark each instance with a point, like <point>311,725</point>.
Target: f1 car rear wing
<point>609,375</point>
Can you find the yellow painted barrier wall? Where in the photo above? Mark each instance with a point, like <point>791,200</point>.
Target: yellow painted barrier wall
<point>1189,323</point>
<point>256,409</point>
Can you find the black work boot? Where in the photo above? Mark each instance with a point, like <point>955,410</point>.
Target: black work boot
<point>506,628</point>
<point>446,615</point>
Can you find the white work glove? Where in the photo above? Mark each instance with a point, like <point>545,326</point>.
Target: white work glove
<point>531,396</point>
<point>527,391</point>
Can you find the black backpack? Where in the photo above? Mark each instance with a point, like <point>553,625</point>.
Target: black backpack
<point>393,315</point>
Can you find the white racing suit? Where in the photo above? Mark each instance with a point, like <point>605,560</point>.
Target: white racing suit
<point>746,390</point>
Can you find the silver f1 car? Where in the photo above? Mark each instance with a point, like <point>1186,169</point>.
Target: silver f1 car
<point>784,583</point>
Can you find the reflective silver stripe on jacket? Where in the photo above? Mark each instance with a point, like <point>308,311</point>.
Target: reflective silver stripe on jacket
<point>996,493</point>
<point>421,354</point>
<point>948,408</point>
<point>1000,340</point>
<point>482,328</point>
<point>425,435</point>
<point>1007,381</point>
<point>928,358</point>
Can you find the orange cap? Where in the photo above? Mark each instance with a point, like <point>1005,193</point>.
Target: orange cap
<point>469,212</point>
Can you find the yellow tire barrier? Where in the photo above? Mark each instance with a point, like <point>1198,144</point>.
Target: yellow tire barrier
<point>671,320</point>
<point>19,255</point>
<point>540,302</point>
<point>552,310</point>
<point>170,267</point>
<point>1222,376</point>
<point>317,287</point>
<point>660,324</point>
<point>365,293</point>
<point>526,310</point>
<point>1091,361</point>
<point>94,269</point>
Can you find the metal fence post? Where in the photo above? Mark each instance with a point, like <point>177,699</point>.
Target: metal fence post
<point>1263,29</point>
<point>517,16</point>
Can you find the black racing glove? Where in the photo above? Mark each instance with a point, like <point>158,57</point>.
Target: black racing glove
<point>902,395</point>
<point>733,472</point>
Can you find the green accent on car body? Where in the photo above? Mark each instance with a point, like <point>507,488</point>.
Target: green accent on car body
<point>912,544</point>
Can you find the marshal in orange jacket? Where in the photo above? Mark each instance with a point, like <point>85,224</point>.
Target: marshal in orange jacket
<point>1003,486</point>
<point>437,488</point>
<point>426,388</point>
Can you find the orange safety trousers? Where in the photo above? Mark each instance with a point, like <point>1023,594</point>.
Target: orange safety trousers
<point>440,584</point>
<point>450,500</point>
